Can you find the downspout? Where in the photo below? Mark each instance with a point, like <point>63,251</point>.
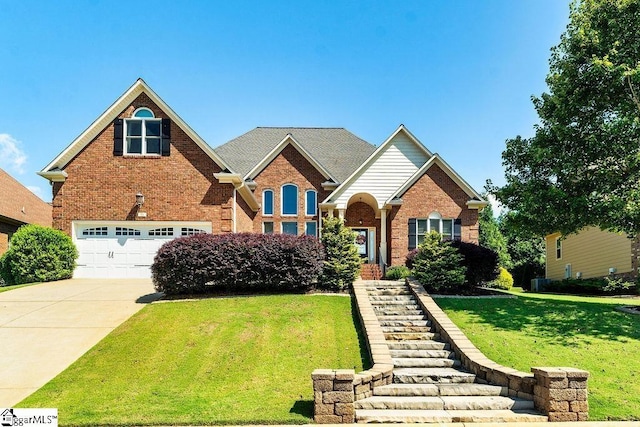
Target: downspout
<point>233,218</point>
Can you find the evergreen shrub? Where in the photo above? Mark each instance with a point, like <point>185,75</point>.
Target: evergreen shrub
<point>342,263</point>
<point>438,266</point>
<point>397,272</point>
<point>503,281</point>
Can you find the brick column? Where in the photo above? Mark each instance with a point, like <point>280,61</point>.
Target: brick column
<point>333,396</point>
<point>561,393</point>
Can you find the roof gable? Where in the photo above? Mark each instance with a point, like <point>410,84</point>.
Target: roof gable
<point>139,87</point>
<point>335,152</point>
<point>386,169</point>
<point>19,204</point>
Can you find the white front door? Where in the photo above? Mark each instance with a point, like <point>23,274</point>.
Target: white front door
<point>125,249</point>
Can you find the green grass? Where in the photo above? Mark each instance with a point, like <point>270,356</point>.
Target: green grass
<point>12,287</point>
<point>561,330</point>
<point>240,360</point>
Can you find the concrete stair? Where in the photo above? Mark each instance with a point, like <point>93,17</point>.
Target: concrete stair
<point>429,384</point>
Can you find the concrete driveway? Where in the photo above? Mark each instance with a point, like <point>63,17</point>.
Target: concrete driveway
<point>45,328</point>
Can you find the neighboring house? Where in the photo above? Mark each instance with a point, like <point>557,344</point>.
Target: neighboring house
<point>19,206</point>
<point>139,176</point>
<point>591,253</point>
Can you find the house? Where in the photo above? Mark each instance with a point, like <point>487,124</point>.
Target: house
<point>139,176</point>
<point>19,206</point>
<point>591,253</point>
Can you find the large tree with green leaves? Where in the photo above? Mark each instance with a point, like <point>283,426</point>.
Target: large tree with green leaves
<point>582,166</point>
<point>491,236</point>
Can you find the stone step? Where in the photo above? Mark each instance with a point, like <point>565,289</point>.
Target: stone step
<point>431,376</point>
<point>425,362</point>
<point>463,389</point>
<point>392,298</point>
<point>411,336</point>
<point>414,354</point>
<point>406,328</point>
<point>392,291</point>
<point>405,323</point>
<point>454,403</point>
<point>382,286</point>
<point>402,306</point>
<point>418,345</point>
<point>443,416</point>
<point>400,317</point>
<point>396,311</point>
<point>393,303</point>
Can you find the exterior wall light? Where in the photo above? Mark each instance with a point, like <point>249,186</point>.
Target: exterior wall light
<point>139,199</point>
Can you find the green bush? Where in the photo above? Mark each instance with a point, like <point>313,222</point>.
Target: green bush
<point>594,286</point>
<point>38,254</point>
<point>503,281</point>
<point>342,262</point>
<point>397,272</point>
<point>438,266</point>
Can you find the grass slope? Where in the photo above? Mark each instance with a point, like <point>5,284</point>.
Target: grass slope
<point>554,330</point>
<point>241,360</point>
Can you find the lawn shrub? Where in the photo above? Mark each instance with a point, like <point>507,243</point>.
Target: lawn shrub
<point>237,262</point>
<point>503,281</point>
<point>38,254</point>
<point>397,272</point>
<point>481,263</point>
<point>410,257</point>
<point>342,263</point>
<point>595,286</point>
<point>438,265</point>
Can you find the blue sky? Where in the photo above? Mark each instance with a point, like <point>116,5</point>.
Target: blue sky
<point>459,74</point>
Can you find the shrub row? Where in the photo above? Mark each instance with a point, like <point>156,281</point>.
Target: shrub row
<point>603,286</point>
<point>237,262</point>
<point>38,254</point>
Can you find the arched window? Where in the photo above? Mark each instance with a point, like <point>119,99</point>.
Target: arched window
<point>289,199</point>
<point>143,133</point>
<point>311,202</point>
<point>267,202</point>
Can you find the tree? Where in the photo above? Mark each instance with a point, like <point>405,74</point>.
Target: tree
<point>437,265</point>
<point>492,238</point>
<point>527,253</point>
<point>342,261</point>
<point>582,166</point>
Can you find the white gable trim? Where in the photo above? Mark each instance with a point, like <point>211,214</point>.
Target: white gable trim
<point>347,182</point>
<point>288,140</point>
<point>475,202</point>
<point>78,144</point>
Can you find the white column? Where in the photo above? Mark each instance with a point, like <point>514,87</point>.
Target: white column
<point>341,213</point>
<point>383,236</point>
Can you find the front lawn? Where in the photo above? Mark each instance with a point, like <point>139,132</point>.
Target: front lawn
<point>560,330</point>
<point>239,360</point>
<point>12,287</point>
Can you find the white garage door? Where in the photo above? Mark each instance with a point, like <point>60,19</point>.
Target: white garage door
<point>125,249</point>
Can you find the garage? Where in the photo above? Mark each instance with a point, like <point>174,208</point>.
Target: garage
<point>125,249</point>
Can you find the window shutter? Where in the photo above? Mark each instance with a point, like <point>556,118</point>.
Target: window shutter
<point>457,229</point>
<point>166,137</point>
<point>117,137</point>
<point>412,233</point>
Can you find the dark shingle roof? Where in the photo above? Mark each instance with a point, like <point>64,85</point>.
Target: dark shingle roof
<point>339,151</point>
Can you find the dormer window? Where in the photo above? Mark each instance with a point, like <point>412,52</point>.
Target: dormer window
<point>142,133</point>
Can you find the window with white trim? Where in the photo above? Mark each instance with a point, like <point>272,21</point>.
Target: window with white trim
<point>311,202</point>
<point>558,248</point>
<point>289,199</point>
<point>143,133</point>
<point>95,231</point>
<point>311,228</point>
<point>267,227</point>
<point>267,202</point>
<point>124,231</point>
<point>448,228</point>
<point>188,231</point>
<point>290,227</point>
<point>164,231</point>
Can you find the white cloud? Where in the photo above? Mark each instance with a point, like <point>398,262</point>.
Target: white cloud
<point>11,156</point>
<point>496,206</point>
<point>36,190</point>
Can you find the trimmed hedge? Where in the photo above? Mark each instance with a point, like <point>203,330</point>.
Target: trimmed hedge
<point>602,286</point>
<point>237,262</point>
<point>481,263</point>
<point>397,272</point>
<point>38,254</point>
<point>438,266</point>
<point>503,281</point>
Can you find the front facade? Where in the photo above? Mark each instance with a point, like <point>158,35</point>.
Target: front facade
<point>19,206</point>
<point>139,176</point>
<point>591,253</point>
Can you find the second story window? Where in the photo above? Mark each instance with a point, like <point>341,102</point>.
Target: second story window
<point>289,199</point>
<point>311,201</point>
<point>143,133</point>
<point>267,202</point>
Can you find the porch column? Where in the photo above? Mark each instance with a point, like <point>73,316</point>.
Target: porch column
<point>383,237</point>
<point>341,213</point>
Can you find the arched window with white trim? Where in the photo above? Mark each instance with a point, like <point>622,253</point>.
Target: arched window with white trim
<point>289,199</point>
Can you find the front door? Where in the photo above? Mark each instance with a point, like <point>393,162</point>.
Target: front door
<point>365,241</point>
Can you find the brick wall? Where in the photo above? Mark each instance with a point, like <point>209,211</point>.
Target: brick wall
<point>289,167</point>
<point>433,192</point>
<point>6,231</point>
<point>179,187</point>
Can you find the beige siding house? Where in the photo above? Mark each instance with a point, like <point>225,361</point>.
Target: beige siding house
<point>591,253</point>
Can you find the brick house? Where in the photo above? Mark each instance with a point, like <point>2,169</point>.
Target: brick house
<point>19,206</point>
<point>139,175</point>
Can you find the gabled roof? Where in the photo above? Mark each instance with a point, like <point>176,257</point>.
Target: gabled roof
<point>54,169</point>
<point>18,204</point>
<point>372,158</point>
<point>475,198</point>
<point>336,151</point>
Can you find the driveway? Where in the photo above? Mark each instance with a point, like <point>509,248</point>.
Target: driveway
<point>45,328</point>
